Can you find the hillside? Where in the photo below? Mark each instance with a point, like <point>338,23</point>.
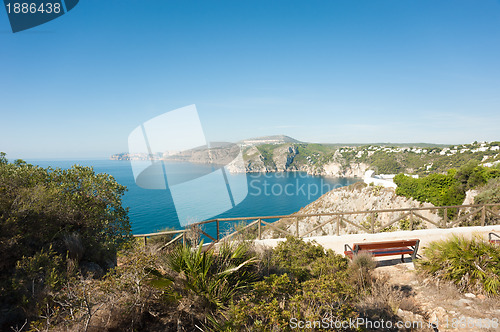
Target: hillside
<point>284,154</point>
<point>275,139</point>
<point>469,184</point>
<point>353,161</point>
<point>356,197</point>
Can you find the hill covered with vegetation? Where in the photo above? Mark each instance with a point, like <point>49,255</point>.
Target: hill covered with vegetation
<point>450,188</point>
<point>328,159</point>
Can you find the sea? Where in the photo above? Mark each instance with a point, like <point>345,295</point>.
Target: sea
<point>252,194</point>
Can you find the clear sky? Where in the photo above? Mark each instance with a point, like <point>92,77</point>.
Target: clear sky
<point>323,71</point>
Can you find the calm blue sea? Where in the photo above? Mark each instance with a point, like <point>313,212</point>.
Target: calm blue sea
<point>268,193</point>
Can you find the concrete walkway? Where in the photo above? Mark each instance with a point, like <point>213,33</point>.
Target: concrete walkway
<point>336,243</point>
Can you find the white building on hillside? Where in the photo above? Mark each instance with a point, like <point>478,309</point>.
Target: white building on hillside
<point>386,180</point>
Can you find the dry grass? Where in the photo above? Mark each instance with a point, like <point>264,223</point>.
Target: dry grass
<point>384,301</point>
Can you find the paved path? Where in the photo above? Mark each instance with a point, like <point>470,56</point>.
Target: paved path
<point>336,243</point>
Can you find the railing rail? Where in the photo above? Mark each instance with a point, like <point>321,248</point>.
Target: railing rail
<point>337,217</point>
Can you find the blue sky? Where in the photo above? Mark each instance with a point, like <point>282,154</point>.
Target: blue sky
<point>321,71</point>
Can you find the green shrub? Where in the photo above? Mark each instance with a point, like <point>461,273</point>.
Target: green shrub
<point>37,276</point>
<point>51,220</point>
<point>472,265</point>
<point>330,296</point>
<point>295,256</point>
<point>446,189</point>
<point>311,284</point>
<point>266,308</point>
<point>305,260</point>
<point>160,240</point>
<point>405,224</point>
<point>329,264</point>
<point>360,271</point>
<point>277,299</point>
<point>249,233</point>
<point>472,175</point>
<point>490,193</point>
<point>438,189</point>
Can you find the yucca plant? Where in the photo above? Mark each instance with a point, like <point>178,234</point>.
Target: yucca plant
<point>214,277</point>
<point>472,265</point>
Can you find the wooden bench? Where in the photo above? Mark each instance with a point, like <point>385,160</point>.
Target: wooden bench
<point>492,240</point>
<point>384,248</point>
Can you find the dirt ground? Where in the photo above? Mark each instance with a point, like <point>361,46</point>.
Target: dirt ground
<point>441,304</point>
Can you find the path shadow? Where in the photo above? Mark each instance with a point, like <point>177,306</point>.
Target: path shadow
<point>395,261</point>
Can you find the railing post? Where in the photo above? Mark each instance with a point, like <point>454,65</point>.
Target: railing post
<point>183,238</point>
<point>338,225</point>
<point>297,227</point>
<point>259,229</point>
<point>145,241</point>
<point>372,222</point>
<point>483,215</point>
<point>217,230</point>
<point>445,218</point>
<point>411,220</point>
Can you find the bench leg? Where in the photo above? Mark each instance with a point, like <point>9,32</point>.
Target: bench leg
<point>402,258</point>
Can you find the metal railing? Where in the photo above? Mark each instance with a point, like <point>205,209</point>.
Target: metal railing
<point>337,217</point>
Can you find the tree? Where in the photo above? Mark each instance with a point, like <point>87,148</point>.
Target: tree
<point>75,214</point>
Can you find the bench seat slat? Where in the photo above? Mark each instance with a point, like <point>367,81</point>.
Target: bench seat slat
<point>348,253</point>
<point>384,244</point>
<point>388,252</point>
<point>384,252</point>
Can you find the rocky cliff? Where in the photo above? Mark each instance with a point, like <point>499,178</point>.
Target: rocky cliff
<point>292,158</point>
<point>356,197</point>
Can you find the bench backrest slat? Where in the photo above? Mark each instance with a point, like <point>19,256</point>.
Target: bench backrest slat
<point>384,244</point>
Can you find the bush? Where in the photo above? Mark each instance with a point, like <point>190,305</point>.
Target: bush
<point>277,299</point>
<point>406,225</point>
<point>472,265</point>
<point>266,308</point>
<point>490,193</point>
<point>330,297</point>
<point>472,175</point>
<point>383,301</point>
<point>446,189</point>
<point>35,277</point>
<point>163,239</point>
<point>360,272</point>
<point>295,256</point>
<point>308,283</point>
<point>303,260</point>
<point>54,216</point>
<point>438,189</point>
<point>249,233</point>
